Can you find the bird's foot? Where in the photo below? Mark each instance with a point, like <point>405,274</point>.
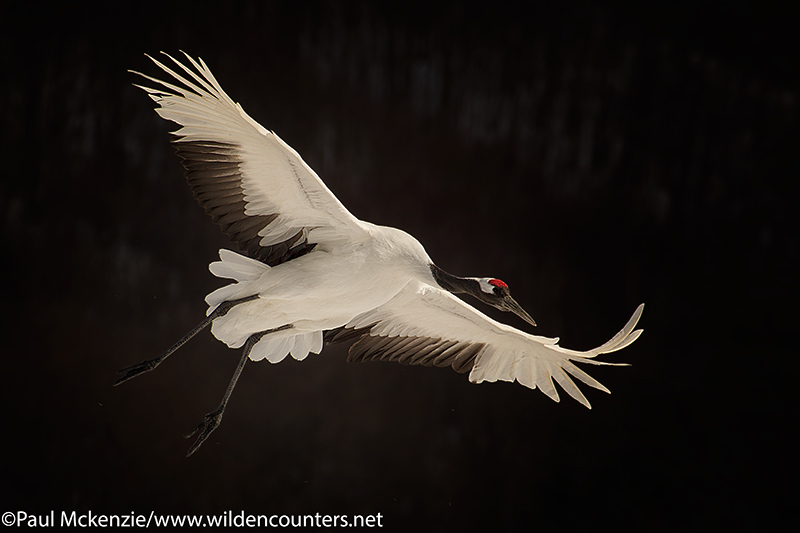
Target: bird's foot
<point>206,427</point>
<point>137,369</point>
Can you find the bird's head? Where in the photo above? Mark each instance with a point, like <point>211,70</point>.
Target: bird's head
<point>495,293</point>
<point>491,291</point>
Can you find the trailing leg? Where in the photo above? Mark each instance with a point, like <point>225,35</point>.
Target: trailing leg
<point>146,366</point>
<point>213,419</point>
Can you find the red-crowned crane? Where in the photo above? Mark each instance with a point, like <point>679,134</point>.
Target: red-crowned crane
<point>312,273</point>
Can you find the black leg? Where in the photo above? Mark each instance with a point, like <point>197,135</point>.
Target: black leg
<point>146,366</point>
<point>213,419</point>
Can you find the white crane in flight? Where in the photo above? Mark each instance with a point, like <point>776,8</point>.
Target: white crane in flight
<point>313,273</point>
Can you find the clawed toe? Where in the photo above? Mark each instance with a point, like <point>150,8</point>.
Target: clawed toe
<point>206,427</point>
<point>137,369</point>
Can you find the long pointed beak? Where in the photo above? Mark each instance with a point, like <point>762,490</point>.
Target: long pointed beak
<point>511,305</point>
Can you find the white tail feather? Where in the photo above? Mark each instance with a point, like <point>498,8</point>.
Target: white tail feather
<point>236,267</point>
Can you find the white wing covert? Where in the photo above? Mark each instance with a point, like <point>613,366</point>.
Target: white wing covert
<point>262,193</point>
<point>429,326</point>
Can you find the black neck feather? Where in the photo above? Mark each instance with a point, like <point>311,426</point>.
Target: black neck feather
<point>452,283</point>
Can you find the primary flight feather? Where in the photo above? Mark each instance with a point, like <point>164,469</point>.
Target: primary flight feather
<point>310,272</point>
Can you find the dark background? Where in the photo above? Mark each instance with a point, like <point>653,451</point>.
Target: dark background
<point>593,156</point>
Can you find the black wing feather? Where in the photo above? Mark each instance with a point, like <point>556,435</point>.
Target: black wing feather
<point>214,175</point>
<point>406,350</point>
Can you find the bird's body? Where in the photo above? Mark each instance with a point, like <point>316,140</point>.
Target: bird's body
<point>316,292</point>
<point>312,273</point>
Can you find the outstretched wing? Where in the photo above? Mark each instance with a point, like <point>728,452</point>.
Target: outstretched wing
<point>428,326</point>
<point>254,185</point>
